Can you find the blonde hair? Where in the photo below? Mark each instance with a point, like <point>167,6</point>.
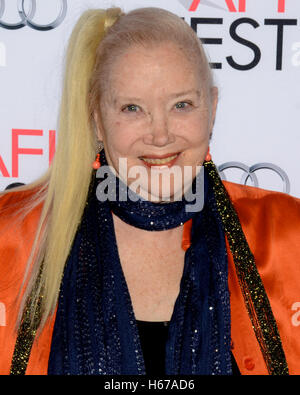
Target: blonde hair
<point>98,38</point>
<point>147,27</point>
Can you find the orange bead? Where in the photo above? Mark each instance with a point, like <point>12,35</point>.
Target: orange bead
<point>96,165</point>
<point>208,156</point>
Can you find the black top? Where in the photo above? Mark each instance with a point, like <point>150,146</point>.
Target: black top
<point>153,337</point>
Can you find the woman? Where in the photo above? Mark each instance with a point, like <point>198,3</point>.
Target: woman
<point>96,274</point>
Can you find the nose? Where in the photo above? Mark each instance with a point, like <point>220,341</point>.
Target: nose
<point>159,133</point>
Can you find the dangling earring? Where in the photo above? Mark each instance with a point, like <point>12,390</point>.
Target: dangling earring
<point>96,163</point>
<point>208,156</point>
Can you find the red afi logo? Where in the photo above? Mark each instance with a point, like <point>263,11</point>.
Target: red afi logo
<point>17,150</point>
<point>231,5</point>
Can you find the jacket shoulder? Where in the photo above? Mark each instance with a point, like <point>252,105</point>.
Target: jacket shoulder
<point>272,212</point>
<point>18,225</point>
<point>13,199</point>
<point>19,204</point>
<point>253,198</point>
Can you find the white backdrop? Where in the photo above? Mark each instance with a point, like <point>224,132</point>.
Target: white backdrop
<point>255,45</point>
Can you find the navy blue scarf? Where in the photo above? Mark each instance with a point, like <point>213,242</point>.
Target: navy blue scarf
<point>95,331</point>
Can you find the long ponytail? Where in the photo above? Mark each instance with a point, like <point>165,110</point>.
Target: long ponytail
<point>70,173</point>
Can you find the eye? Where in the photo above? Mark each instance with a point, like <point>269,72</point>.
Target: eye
<point>130,108</point>
<point>182,105</point>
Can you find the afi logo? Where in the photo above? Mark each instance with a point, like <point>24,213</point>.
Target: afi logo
<point>17,151</point>
<point>232,5</point>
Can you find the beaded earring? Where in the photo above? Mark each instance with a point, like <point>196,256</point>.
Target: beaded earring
<point>96,163</point>
<point>208,156</point>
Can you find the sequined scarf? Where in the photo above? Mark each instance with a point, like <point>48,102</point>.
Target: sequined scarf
<point>95,331</point>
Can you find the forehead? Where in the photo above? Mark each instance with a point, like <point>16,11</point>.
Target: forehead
<point>154,69</point>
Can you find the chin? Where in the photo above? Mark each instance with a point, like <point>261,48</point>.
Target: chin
<point>160,197</point>
<point>159,193</point>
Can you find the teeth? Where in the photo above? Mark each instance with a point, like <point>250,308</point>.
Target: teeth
<point>159,161</point>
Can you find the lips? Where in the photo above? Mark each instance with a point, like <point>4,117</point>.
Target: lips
<point>162,160</point>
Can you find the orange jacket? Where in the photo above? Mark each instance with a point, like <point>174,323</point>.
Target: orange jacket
<point>271,223</point>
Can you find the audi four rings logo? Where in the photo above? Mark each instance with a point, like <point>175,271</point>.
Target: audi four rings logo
<point>249,172</point>
<point>26,18</point>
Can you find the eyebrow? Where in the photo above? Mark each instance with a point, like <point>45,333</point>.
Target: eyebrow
<point>196,91</point>
<point>173,96</point>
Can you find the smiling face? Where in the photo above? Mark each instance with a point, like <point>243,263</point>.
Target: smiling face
<point>158,114</point>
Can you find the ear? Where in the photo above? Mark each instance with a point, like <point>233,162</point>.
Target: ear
<point>98,125</point>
